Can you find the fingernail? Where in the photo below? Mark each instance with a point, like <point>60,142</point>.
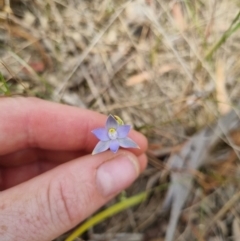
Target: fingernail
<point>117,174</point>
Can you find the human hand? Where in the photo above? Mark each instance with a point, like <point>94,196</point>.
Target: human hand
<point>48,180</point>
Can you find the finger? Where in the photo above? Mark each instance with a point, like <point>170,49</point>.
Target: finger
<point>24,165</point>
<point>12,176</point>
<point>30,155</point>
<point>31,122</point>
<point>56,201</point>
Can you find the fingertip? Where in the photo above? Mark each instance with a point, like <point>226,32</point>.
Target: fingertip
<point>140,139</point>
<point>143,162</point>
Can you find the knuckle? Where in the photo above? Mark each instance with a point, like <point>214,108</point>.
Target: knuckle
<point>63,200</point>
<point>68,202</point>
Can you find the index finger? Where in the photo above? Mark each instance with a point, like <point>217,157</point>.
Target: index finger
<point>31,122</point>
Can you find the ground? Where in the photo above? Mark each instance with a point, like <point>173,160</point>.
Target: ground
<point>169,68</point>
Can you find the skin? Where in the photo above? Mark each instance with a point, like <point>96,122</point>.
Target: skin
<point>49,180</point>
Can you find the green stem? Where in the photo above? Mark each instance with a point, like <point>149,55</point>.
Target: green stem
<point>4,87</point>
<point>224,37</point>
<point>108,213</point>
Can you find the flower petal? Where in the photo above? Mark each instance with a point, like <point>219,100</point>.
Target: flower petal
<point>114,146</point>
<point>101,134</point>
<point>111,122</point>
<point>123,130</point>
<point>127,143</point>
<point>100,147</point>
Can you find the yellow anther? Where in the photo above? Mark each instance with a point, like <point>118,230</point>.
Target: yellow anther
<point>112,133</point>
<point>119,120</point>
<point>111,130</point>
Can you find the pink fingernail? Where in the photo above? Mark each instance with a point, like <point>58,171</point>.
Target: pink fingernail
<point>117,174</point>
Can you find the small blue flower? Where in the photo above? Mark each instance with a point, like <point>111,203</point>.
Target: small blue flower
<point>113,136</point>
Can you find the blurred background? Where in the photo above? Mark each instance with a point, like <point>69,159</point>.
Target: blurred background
<point>170,68</point>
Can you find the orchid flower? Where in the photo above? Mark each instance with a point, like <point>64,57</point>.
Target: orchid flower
<point>113,136</point>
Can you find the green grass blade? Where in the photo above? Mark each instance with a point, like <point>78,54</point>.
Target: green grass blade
<point>4,86</point>
<point>235,19</point>
<point>116,208</point>
<point>232,28</point>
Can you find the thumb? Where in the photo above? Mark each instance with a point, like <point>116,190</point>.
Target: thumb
<point>56,201</point>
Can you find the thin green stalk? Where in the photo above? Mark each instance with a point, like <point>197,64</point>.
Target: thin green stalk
<point>116,208</point>
<point>232,28</point>
<point>4,87</point>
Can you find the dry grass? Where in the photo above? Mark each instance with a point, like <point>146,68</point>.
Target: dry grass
<point>145,61</point>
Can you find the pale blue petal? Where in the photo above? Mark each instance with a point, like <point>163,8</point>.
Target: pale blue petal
<point>114,145</point>
<point>123,130</point>
<point>111,122</point>
<point>100,147</point>
<point>127,143</point>
<point>101,134</point>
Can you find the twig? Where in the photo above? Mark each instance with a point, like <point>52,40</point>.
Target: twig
<point>223,210</point>
<point>61,89</point>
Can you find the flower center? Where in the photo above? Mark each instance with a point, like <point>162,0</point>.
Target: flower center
<point>112,133</point>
